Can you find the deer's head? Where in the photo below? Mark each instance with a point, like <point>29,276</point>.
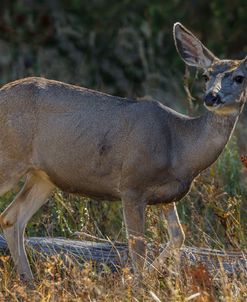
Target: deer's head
<point>226,80</point>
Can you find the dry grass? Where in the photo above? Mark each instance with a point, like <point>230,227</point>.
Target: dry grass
<point>55,282</point>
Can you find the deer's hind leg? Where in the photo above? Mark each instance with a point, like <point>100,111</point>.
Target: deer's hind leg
<point>176,235</point>
<point>33,195</point>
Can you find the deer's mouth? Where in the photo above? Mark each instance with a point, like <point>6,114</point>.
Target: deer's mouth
<point>223,108</point>
<point>215,106</point>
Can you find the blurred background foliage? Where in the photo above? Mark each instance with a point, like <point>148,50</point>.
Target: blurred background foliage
<point>126,48</point>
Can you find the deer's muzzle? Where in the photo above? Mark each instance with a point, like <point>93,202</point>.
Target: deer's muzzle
<point>212,99</point>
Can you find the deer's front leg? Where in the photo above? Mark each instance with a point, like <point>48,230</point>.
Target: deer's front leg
<point>176,235</point>
<point>134,218</point>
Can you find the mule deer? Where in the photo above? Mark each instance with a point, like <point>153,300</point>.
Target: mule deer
<point>110,148</point>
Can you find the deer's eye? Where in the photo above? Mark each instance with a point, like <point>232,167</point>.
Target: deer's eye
<point>205,77</point>
<point>238,79</point>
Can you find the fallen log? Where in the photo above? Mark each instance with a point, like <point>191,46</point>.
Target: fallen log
<point>115,255</point>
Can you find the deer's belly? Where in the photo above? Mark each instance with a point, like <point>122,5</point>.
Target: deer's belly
<point>78,181</point>
<point>94,191</point>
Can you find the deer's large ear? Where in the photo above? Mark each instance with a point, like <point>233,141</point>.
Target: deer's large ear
<point>191,50</point>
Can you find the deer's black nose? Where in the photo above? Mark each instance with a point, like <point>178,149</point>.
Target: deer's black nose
<point>212,98</point>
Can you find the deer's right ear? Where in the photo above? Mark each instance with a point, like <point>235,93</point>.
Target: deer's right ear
<point>191,50</point>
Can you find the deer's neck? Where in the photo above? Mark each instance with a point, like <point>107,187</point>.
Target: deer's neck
<point>208,135</point>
